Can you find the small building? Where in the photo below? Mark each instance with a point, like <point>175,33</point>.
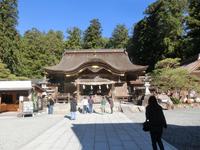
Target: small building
<point>95,72</point>
<point>11,92</point>
<point>193,65</point>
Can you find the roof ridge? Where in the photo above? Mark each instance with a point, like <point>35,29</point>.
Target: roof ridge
<point>94,50</point>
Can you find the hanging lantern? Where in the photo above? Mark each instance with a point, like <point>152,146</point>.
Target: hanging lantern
<point>107,86</point>
<point>91,87</point>
<point>83,86</point>
<point>99,86</point>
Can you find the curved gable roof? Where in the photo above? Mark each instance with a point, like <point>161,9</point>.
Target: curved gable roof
<point>117,60</point>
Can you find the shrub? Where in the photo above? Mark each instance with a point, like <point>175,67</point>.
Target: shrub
<point>175,100</point>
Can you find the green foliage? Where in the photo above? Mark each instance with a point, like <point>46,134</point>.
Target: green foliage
<point>9,37</point>
<point>105,42</point>
<point>74,40</point>
<point>175,100</point>
<point>158,34</point>
<point>92,38</point>
<point>119,37</point>
<point>170,78</point>
<point>192,40</point>
<point>5,73</point>
<point>39,50</point>
<point>168,63</point>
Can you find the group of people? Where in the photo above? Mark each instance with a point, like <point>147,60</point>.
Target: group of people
<point>87,105</point>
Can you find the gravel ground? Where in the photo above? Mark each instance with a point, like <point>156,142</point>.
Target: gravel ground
<point>15,132</point>
<point>183,130</point>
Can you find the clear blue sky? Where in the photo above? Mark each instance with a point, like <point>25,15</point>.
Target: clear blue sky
<point>62,14</point>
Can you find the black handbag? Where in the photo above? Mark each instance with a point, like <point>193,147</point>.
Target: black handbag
<point>146,126</point>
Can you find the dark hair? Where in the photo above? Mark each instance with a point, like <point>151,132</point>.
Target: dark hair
<point>152,100</point>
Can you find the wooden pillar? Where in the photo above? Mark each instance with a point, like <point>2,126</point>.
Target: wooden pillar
<point>78,92</point>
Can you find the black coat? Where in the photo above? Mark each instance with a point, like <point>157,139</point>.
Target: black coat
<point>73,104</point>
<point>156,117</point>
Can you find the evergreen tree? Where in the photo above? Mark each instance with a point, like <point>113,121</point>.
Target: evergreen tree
<point>73,39</point>
<point>119,37</point>
<point>4,72</point>
<point>192,41</point>
<point>92,36</point>
<point>9,37</point>
<point>54,46</point>
<point>158,35</point>
<point>39,50</point>
<point>105,42</point>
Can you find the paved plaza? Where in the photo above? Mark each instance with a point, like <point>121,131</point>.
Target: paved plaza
<point>118,131</point>
<point>183,130</point>
<point>93,132</point>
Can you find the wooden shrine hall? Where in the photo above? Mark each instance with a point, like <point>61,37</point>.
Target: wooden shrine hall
<point>94,72</point>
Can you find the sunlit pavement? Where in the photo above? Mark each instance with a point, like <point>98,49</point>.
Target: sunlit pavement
<point>94,132</point>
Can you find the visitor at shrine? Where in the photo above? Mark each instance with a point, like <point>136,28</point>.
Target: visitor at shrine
<point>157,122</point>
<point>73,105</point>
<point>110,101</point>
<point>50,105</point>
<point>90,104</point>
<point>103,104</point>
<point>85,105</point>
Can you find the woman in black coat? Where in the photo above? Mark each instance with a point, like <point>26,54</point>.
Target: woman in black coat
<point>156,118</point>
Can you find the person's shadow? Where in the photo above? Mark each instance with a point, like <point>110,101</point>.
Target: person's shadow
<point>67,116</point>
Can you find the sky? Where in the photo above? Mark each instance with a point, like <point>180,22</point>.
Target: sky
<point>63,14</point>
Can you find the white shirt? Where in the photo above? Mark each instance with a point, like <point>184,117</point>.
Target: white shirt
<point>85,101</point>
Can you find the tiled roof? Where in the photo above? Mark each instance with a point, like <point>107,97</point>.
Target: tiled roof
<point>115,59</point>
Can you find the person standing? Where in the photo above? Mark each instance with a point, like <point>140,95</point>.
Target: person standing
<point>157,121</point>
<point>103,104</point>
<point>110,101</point>
<point>73,107</point>
<point>85,105</point>
<point>90,103</point>
<point>50,105</point>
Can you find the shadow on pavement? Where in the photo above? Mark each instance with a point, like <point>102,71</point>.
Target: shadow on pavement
<point>67,116</point>
<point>111,136</point>
<point>120,136</point>
<point>183,137</point>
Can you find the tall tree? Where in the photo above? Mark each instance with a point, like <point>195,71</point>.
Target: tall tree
<point>192,41</point>
<point>39,50</point>
<point>32,53</point>
<point>92,36</point>
<point>158,35</point>
<point>73,39</point>
<point>9,37</point>
<point>119,37</point>
<point>54,46</point>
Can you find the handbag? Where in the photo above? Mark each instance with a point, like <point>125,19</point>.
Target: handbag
<point>146,126</point>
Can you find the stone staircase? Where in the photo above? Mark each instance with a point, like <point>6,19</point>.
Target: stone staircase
<point>131,108</point>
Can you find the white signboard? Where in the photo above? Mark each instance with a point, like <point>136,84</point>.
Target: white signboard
<point>28,107</point>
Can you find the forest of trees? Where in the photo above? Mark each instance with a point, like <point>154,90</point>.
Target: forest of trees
<point>169,29</point>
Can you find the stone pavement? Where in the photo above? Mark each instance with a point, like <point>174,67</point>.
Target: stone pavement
<point>94,132</point>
